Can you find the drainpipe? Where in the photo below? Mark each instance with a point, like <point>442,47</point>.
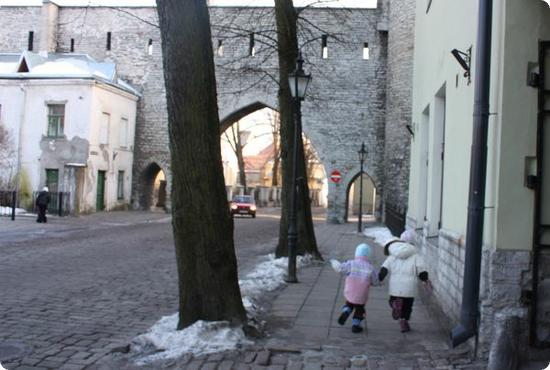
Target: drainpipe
<point>469,316</point>
<point>22,118</point>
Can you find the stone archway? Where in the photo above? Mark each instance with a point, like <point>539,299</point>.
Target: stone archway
<point>266,192</point>
<point>154,188</point>
<point>371,202</point>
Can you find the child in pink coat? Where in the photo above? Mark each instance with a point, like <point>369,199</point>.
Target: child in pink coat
<point>360,275</point>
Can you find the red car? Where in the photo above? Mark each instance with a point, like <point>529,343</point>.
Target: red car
<point>243,205</point>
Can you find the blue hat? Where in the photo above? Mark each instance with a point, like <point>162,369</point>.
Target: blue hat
<point>362,250</point>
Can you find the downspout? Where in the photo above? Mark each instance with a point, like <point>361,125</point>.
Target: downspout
<point>469,315</point>
<point>20,141</point>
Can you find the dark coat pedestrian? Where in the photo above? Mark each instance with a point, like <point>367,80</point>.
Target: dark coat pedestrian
<point>42,201</point>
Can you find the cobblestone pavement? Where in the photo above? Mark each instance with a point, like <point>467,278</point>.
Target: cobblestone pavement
<point>75,289</point>
<point>302,333</point>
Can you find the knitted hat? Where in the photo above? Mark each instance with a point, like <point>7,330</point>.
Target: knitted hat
<point>362,250</point>
<point>408,236</point>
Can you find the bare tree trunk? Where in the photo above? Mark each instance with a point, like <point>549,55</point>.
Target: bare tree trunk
<point>286,18</point>
<point>203,228</point>
<point>275,131</point>
<point>238,146</point>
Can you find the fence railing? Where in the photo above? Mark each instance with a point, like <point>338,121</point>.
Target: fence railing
<point>8,203</point>
<point>395,218</point>
<point>59,205</point>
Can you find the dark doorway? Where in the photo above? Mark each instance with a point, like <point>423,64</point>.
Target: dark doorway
<point>100,202</point>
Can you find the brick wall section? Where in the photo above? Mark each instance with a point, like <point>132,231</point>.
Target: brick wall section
<point>444,257</point>
<point>346,103</point>
<point>399,102</point>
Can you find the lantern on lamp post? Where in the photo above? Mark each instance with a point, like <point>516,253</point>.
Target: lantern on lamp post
<point>298,83</point>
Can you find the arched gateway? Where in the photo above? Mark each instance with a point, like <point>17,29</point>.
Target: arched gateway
<point>354,57</point>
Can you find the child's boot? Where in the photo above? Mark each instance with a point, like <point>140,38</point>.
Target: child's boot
<point>404,324</point>
<point>356,326</point>
<point>397,307</point>
<point>346,311</point>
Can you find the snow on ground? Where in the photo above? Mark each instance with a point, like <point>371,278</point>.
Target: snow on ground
<point>381,235</point>
<point>7,211</point>
<point>208,337</point>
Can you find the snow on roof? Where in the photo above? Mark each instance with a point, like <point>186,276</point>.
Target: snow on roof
<point>30,65</point>
<point>8,62</point>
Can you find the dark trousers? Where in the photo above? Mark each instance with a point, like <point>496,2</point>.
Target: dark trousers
<point>407,307</point>
<point>358,310</point>
<point>42,214</point>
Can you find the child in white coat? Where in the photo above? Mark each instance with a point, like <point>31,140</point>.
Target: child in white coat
<point>360,275</point>
<point>405,266</point>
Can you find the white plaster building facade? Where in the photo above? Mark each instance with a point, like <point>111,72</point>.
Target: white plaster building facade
<point>515,266</point>
<point>72,124</point>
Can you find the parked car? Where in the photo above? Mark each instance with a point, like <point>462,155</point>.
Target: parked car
<point>243,205</point>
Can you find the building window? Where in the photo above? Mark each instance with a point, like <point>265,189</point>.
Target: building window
<point>123,136</point>
<point>52,179</point>
<point>31,41</point>
<point>366,51</point>
<point>220,48</point>
<point>108,40</point>
<point>436,159</point>
<point>150,47</point>
<point>324,47</point>
<point>72,45</point>
<point>120,185</point>
<point>104,128</point>
<point>251,45</point>
<point>56,120</point>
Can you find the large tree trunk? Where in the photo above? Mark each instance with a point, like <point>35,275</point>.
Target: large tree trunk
<point>203,228</point>
<point>286,18</point>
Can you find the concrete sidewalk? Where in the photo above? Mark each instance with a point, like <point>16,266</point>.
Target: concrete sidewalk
<point>302,332</point>
<point>303,318</point>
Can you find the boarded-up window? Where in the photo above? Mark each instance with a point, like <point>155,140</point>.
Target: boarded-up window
<point>104,128</point>
<point>123,136</point>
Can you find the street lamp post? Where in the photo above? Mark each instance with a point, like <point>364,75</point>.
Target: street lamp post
<point>362,156</point>
<point>298,82</point>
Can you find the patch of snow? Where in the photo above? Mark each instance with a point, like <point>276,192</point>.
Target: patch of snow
<point>2,367</point>
<point>7,210</point>
<point>7,67</point>
<point>381,235</point>
<point>61,67</point>
<point>199,339</point>
<point>208,337</point>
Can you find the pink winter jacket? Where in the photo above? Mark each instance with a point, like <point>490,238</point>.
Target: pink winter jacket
<point>360,276</point>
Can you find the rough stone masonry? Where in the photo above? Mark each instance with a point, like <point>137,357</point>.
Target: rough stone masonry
<point>351,100</point>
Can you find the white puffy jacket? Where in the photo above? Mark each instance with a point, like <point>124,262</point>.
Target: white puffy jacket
<point>404,265</point>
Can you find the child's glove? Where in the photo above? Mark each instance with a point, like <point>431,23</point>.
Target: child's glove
<point>336,265</point>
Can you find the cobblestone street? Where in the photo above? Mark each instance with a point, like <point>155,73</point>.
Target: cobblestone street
<point>74,289</point>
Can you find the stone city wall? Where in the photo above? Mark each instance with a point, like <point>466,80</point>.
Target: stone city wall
<point>346,104</point>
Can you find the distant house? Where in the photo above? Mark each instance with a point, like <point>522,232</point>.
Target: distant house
<point>258,167</point>
<point>72,122</point>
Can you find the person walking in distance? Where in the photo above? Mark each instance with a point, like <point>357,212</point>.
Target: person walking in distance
<point>360,275</point>
<point>42,201</point>
<point>405,266</point>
